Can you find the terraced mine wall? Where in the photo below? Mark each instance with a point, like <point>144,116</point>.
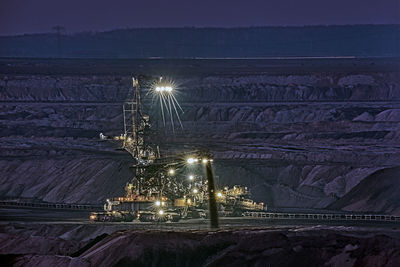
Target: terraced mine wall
<point>309,139</point>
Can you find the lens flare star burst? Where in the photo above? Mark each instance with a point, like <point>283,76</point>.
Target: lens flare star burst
<point>163,92</point>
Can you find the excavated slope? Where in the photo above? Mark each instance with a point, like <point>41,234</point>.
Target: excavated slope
<point>297,140</point>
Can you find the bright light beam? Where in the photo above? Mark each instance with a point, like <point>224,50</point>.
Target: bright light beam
<point>177,114</point>
<point>172,117</point>
<point>162,112</point>
<point>176,101</point>
<point>168,103</point>
<point>162,97</point>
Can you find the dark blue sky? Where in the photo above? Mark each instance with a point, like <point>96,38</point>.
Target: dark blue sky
<point>30,16</point>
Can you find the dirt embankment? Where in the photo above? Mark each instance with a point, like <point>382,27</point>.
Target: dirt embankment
<point>95,246</point>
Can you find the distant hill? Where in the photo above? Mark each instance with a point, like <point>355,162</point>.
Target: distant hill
<point>352,40</point>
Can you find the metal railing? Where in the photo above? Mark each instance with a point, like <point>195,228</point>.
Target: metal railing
<point>247,214</point>
<point>40,205</point>
<point>321,216</point>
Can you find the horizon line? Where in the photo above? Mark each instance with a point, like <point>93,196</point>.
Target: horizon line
<point>195,27</point>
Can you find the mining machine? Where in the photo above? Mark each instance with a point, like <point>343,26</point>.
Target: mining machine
<point>164,188</point>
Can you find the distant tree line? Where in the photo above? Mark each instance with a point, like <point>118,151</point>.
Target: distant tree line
<point>348,40</point>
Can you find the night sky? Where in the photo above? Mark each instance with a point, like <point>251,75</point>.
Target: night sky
<point>32,16</point>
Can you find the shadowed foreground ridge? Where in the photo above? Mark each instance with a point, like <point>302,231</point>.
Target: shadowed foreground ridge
<point>301,246</point>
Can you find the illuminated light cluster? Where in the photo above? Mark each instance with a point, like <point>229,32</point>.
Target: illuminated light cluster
<point>160,203</point>
<point>191,177</point>
<point>161,212</point>
<point>195,191</point>
<point>171,171</point>
<point>163,89</point>
<point>219,194</point>
<point>194,160</point>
